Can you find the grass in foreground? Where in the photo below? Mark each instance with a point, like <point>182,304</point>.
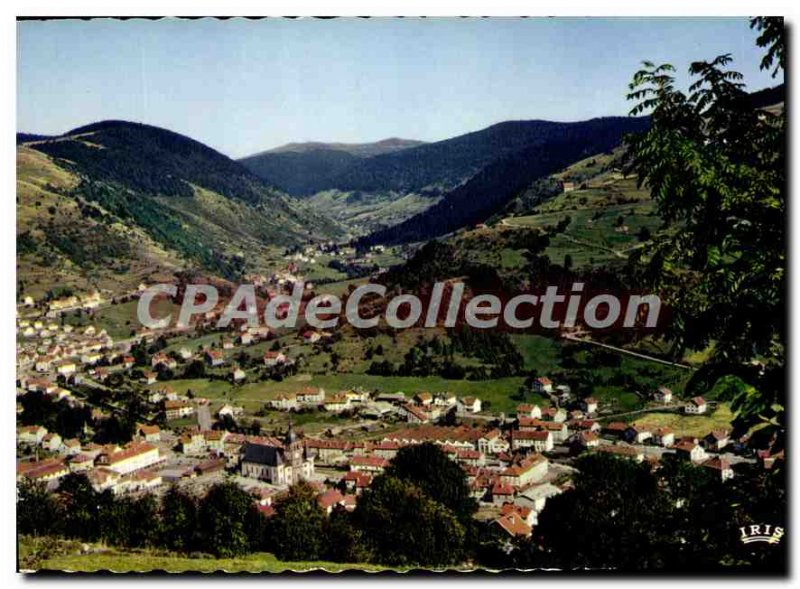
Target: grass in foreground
<point>67,557</point>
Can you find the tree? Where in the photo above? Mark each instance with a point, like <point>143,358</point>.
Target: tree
<point>179,517</point>
<point>227,516</point>
<point>622,515</point>
<point>296,530</point>
<point>614,517</point>
<point>715,164</point>
<point>38,513</point>
<point>344,540</point>
<point>81,505</point>
<point>403,526</point>
<point>427,467</point>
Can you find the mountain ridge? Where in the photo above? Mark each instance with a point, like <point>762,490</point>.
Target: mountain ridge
<point>497,183</point>
<point>362,149</point>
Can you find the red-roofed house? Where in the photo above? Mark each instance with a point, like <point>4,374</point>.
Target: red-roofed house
<point>721,466</point>
<point>372,464</point>
<point>538,440</point>
<point>514,525</point>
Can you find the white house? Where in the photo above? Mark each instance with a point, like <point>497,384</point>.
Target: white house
<point>469,405</point>
<point>663,395</point>
<point>664,436</point>
<point>543,385</point>
<point>589,405</point>
<point>135,456</point>
<point>527,410</point>
<point>695,406</point>
<point>691,451</point>
<point>273,358</point>
<point>539,441</point>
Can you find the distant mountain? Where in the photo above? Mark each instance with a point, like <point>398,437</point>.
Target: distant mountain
<point>429,168</point>
<point>190,202</point>
<point>531,150</point>
<point>449,163</point>
<point>358,149</point>
<point>301,169</point>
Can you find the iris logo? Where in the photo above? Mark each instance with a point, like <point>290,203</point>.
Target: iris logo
<point>761,533</point>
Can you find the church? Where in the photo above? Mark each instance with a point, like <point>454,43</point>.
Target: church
<point>278,465</point>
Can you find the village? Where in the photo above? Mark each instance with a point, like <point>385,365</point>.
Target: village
<point>513,462</point>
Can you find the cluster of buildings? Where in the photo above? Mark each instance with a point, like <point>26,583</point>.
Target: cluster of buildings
<point>131,467</point>
<point>512,469</point>
<point>50,348</point>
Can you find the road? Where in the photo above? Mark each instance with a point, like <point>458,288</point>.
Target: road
<point>624,351</point>
<point>204,418</point>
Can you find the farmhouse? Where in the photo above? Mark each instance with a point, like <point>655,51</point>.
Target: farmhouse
<point>310,395</point>
<point>589,404</point>
<point>369,464</point>
<point>695,406</point>
<point>178,409</point>
<point>530,411</point>
<point>664,436</point>
<point>514,525</point>
<point>469,405</point>
<point>274,358</point>
<point>717,439</point>
<point>637,434</point>
<point>721,466</point>
<point>690,451</point>
<point>214,358</point>
<point>543,385</point>
<point>662,395</point>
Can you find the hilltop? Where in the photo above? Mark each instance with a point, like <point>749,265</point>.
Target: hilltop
<point>389,145</point>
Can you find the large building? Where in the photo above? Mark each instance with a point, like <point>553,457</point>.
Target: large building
<point>135,456</point>
<point>279,465</point>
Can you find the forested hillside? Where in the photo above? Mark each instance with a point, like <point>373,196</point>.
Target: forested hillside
<point>110,197</point>
<point>302,169</point>
<point>495,185</point>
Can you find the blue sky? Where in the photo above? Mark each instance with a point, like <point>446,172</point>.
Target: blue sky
<point>243,86</point>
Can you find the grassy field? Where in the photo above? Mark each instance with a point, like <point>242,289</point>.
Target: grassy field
<point>498,392</point>
<point>606,213</point>
<point>689,425</point>
<point>542,355</point>
<point>129,561</point>
<point>121,319</point>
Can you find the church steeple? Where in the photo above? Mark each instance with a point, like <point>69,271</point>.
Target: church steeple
<point>293,451</point>
<point>291,436</point>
